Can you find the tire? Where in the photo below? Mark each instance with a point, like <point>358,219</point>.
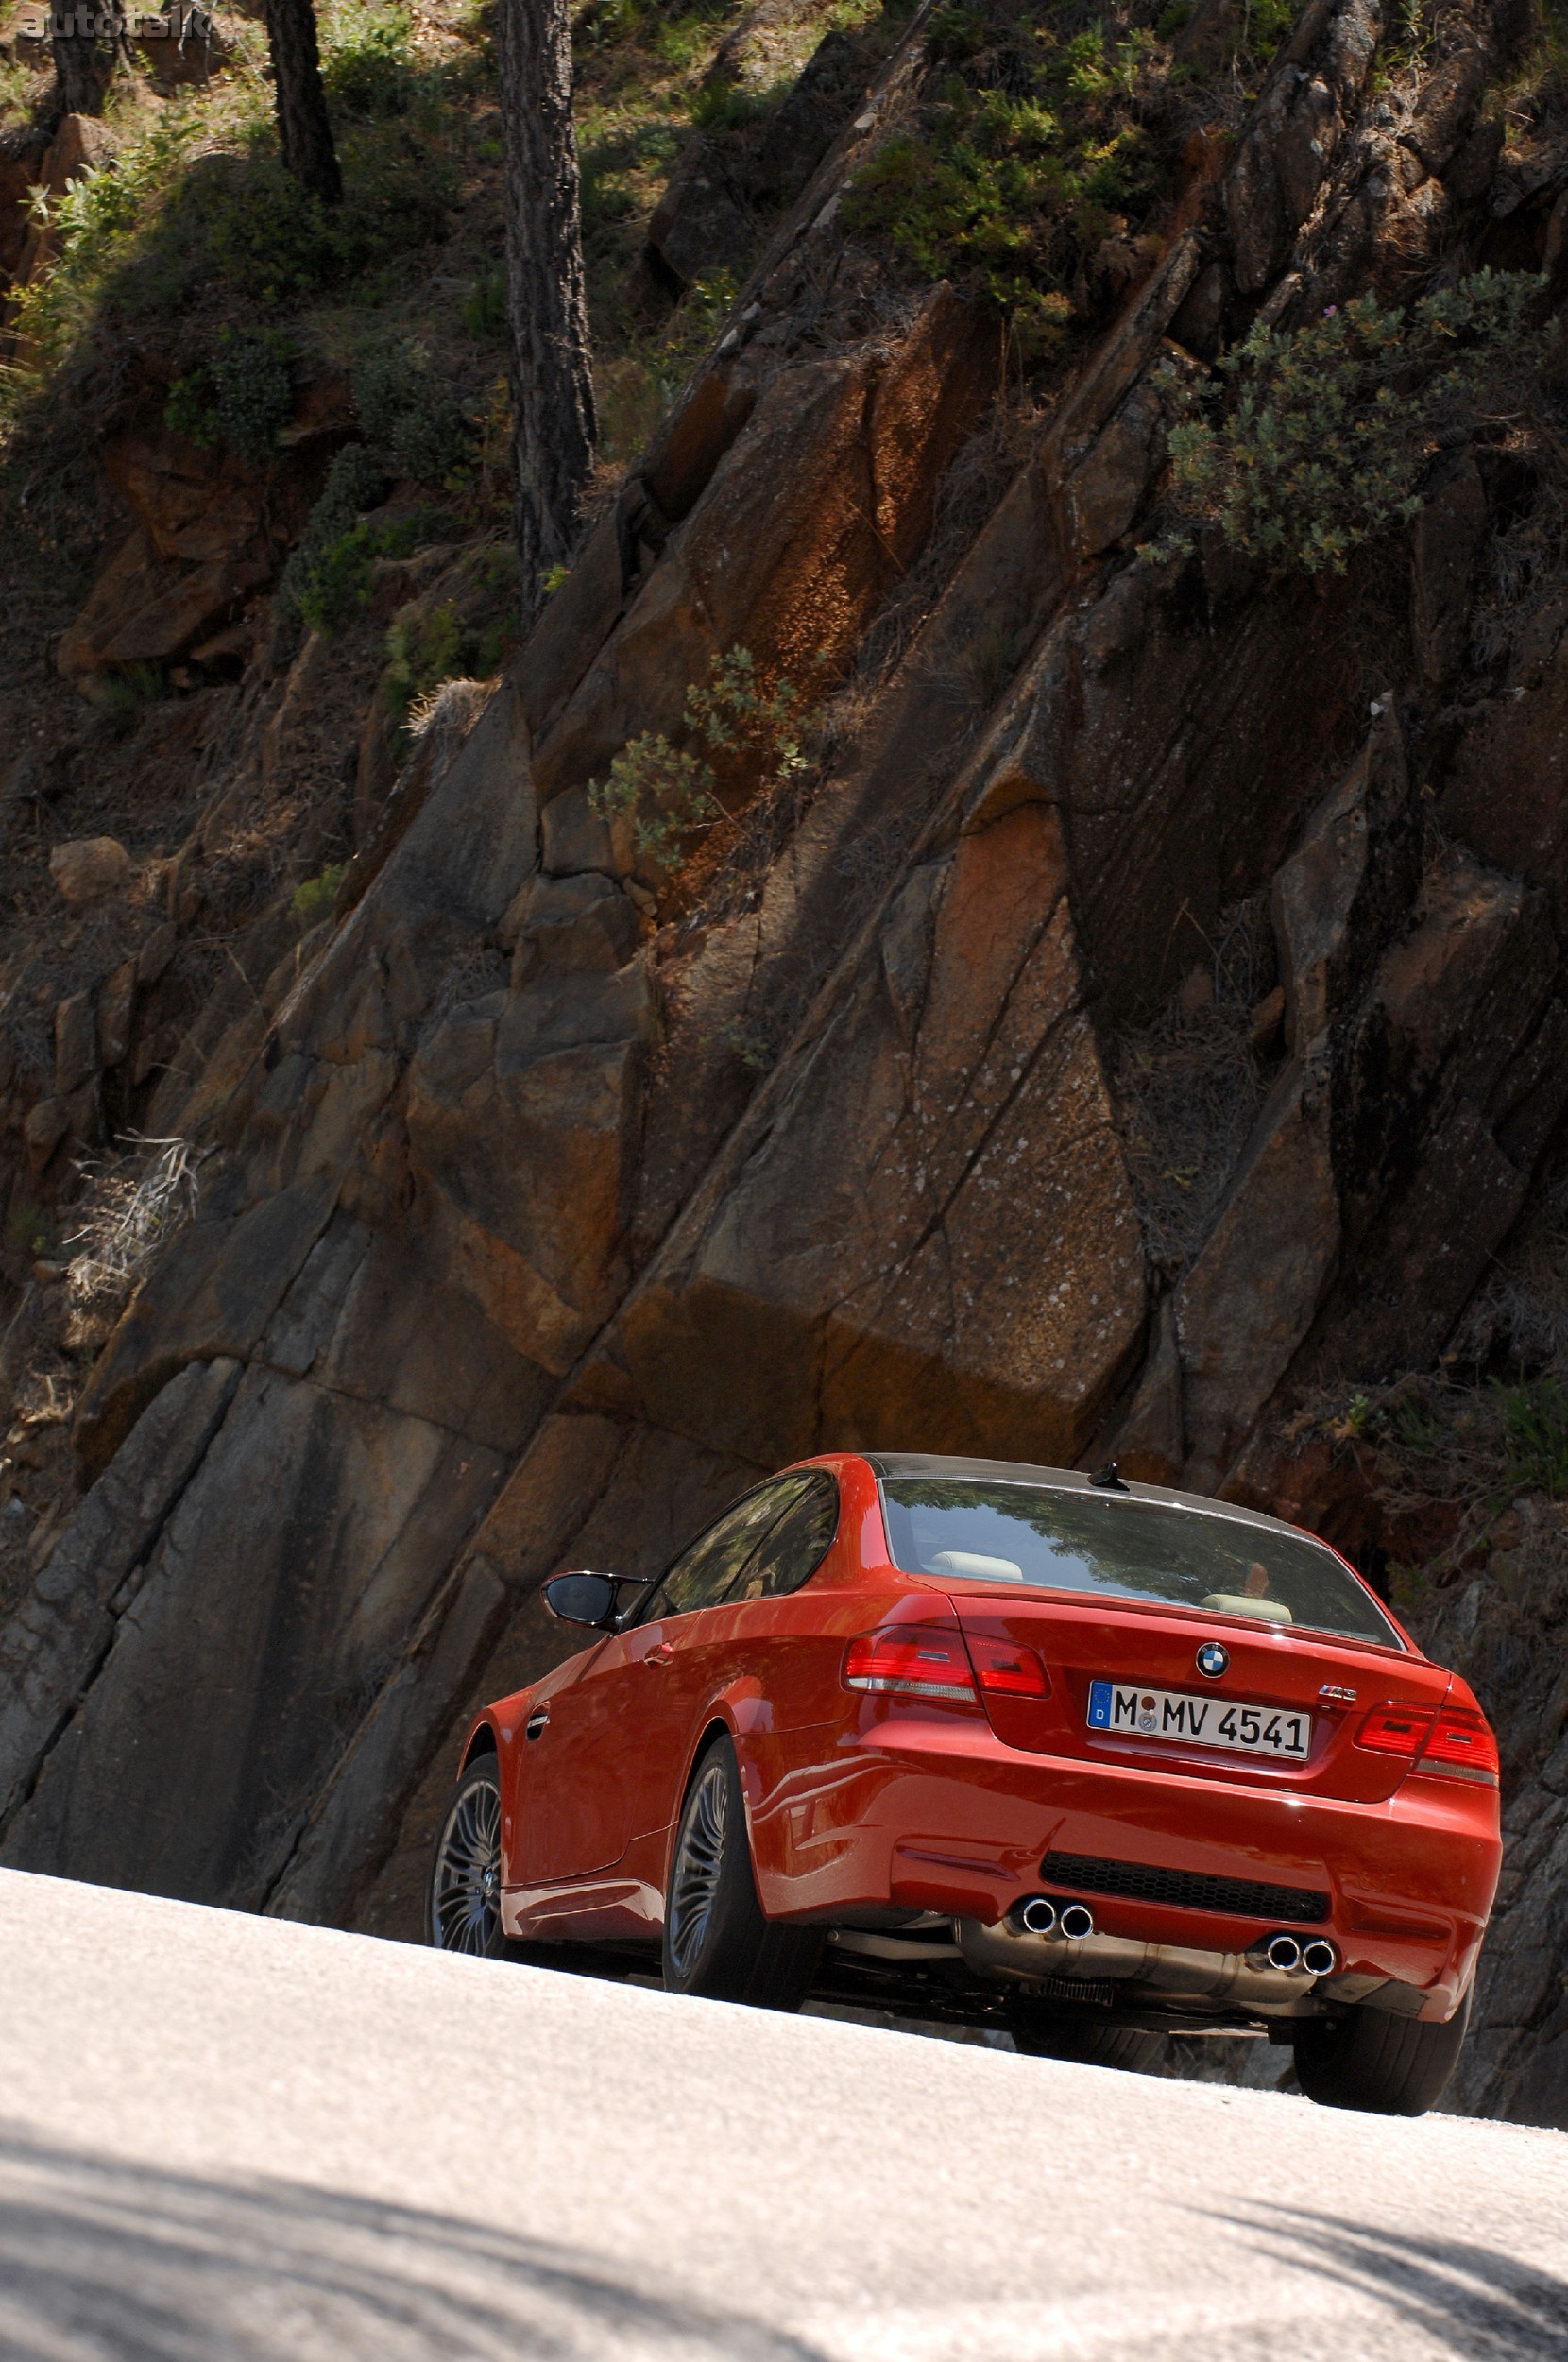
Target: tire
<point>1385,2065</point>
<point>463,1898</point>
<point>1047,2033</point>
<point>716,1941</point>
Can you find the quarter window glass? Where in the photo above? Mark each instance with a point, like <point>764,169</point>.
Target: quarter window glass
<point>791,1552</point>
<point>702,1575</point>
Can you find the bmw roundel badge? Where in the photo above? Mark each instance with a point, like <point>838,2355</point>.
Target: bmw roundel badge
<point>1212,1659</point>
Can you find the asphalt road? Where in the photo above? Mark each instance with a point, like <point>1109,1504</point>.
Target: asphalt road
<point>230,2137</point>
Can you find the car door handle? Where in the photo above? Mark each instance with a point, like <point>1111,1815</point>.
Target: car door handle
<point>535,1726</point>
<point>660,1654</point>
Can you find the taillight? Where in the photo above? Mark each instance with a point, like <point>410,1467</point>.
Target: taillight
<point>1007,1669</point>
<point>1396,1730</point>
<point>1462,1742</point>
<point>1455,1739</point>
<point>911,1661</point>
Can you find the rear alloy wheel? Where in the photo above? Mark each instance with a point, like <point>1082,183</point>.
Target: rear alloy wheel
<point>716,1941</point>
<point>1048,2033</point>
<point>464,1907</point>
<point>1386,2065</point>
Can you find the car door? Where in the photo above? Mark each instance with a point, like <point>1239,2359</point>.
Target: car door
<point>598,1754</point>
<point>788,1639</point>
<point>688,1662</point>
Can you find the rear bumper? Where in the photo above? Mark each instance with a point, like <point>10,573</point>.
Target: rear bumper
<point>935,1815</point>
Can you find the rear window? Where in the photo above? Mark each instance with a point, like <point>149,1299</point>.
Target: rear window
<point>1118,1548</point>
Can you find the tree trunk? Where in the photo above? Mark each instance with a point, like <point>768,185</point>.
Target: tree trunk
<point>304,127</point>
<point>547,298</point>
<point>83,62</point>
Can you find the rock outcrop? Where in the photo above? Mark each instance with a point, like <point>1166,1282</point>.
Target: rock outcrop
<point>553,1193</point>
<point>209,534</point>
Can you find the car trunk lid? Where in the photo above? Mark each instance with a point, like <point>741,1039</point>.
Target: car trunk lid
<point>1189,1673</point>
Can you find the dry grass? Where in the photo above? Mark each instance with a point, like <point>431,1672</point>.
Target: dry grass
<point>447,714</point>
<point>128,1212</point>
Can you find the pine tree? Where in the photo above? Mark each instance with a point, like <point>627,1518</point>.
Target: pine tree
<point>304,127</point>
<point>83,62</point>
<point>547,298</point>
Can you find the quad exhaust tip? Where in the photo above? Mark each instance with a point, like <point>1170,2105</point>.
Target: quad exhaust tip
<point>1285,1953</point>
<point>1040,1916</point>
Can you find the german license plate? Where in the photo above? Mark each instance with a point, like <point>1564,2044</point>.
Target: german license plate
<point>1127,1710</point>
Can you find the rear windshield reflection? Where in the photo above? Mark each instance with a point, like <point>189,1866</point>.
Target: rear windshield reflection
<point>1052,1539</point>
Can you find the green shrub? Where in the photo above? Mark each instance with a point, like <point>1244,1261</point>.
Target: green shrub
<point>267,236</point>
<point>414,426</point>
<point>483,310</point>
<point>313,902</point>
<point>16,93</point>
<point>633,392</point>
<point>721,107</point>
<point>400,187</point>
<point>1410,1588</point>
<point>369,68</point>
<point>355,481</point>
<point>100,222</point>
<point>126,696</point>
<point>337,578</point>
<point>695,322</point>
<point>244,396</point>
<point>150,233</point>
<point>682,41</point>
<point>754,1049</point>
<point>27,1227</point>
<point>1535,1435</point>
<point>409,411</point>
<point>1310,439</point>
<point>1017,164</point>
<point>733,713</point>
<point>464,637</point>
<point>956,33</point>
<point>421,656</point>
<point>320,582</point>
<point>1264,26</point>
<point>668,792</point>
<point>1417,1425</point>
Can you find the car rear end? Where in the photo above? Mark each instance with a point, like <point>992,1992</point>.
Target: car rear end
<point>1158,1755</point>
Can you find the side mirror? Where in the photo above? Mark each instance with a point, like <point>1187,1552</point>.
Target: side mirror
<point>582,1598</point>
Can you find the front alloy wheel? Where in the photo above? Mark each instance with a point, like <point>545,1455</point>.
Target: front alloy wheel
<point>464,1884</point>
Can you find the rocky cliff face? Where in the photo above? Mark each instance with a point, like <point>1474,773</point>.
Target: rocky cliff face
<point>1141,1032</point>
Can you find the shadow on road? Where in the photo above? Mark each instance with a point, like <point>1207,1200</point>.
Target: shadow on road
<point>108,2260</point>
<point>1468,2300</point>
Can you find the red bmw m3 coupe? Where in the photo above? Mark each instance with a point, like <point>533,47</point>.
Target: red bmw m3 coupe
<point>1091,1760</point>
